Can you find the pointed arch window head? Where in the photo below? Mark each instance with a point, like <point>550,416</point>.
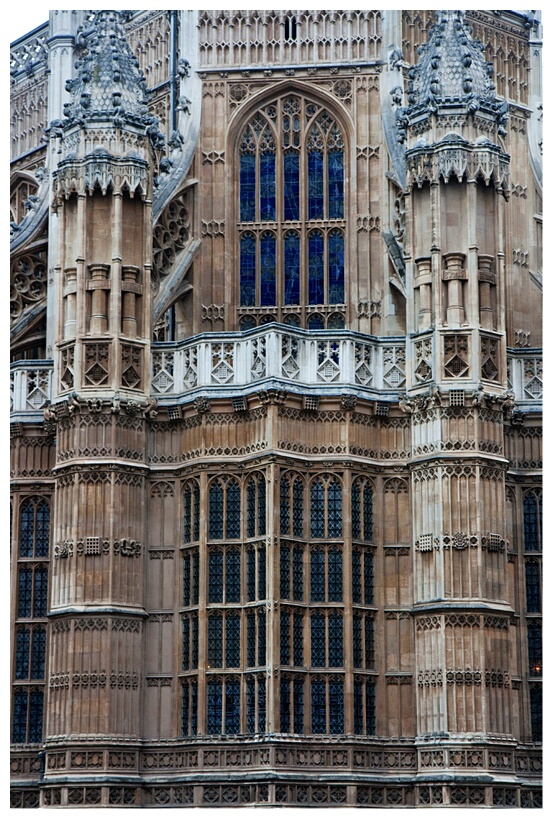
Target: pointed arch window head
<point>291,170</point>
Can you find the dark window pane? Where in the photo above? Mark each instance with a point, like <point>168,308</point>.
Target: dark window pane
<point>214,706</point>
<point>187,528</point>
<point>36,712</point>
<point>334,509</point>
<point>284,506</point>
<point>535,649</point>
<point>284,572</point>
<point>533,584</point>
<point>247,188</point>
<point>336,267</point>
<point>251,639</point>
<point>233,510</point>
<point>185,708</point>
<point>251,575</point>
<point>368,577</point>
<point>42,529</point>
<point>232,627</point>
<point>261,505</point>
<point>335,576</point>
<point>261,639</point>
<point>318,707</point>
<point>298,509</point>
<point>335,185</point>
<point>298,706</point>
<point>336,702</point>
<point>195,580</point>
<point>232,707</point>
<point>356,511</point>
<point>195,641</point>
<point>285,706</point>
<point>268,269</point>
<point>215,641</point>
<point>335,641</point>
<point>318,641</point>
<point>261,705</point>
<point>357,641</point>
<point>285,638</point>
<point>369,642</point>
<point>194,708</point>
<point>250,705</point>
<point>24,591</point>
<point>292,269</point>
<point>356,577</point>
<point>315,185</point>
<point>368,513</point>
<point>216,511</point>
<point>233,576</point>
<point>261,581</point>
<point>318,576</point>
<point>316,268</point>
<point>531,532</point>
<point>297,574</point>
<point>186,580</point>
<point>536,712</point>
<point>370,707</point>
<point>317,509</point>
<point>291,187</point>
<point>196,513</point>
<point>358,691</point>
<point>40,602</point>
<point>26,535</point>
<point>247,270</point>
<point>216,577</point>
<point>298,639</point>
<point>185,644</point>
<point>22,648</point>
<point>19,725</point>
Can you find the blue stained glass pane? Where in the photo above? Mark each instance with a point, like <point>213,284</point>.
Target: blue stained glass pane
<point>247,270</point>
<point>315,185</point>
<point>36,712</point>
<point>214,706</point>
<point>318,640</point>
<point>334,509</point>
<point>25,591</point>
<point>315,322</point>
<point>298,639</point>
<point>284,572</point>
<point>267,188</point>
<point>335,641</point>
<point>298,509</point>
<point>232,707</point>
<point>232,628</point>
<point>26,536</point>
<point>371,707</point>
<point>268,269</point>
<point>261,705</point>
<point>291,268</point>
<point>215,641</point>
<point>335,185</point>
<point>291,187</point>
<point>19,724</point>
<point>316,268</point>
<point>262,571</point>
<point>298,706</point>
<point>318,707</point>
<point>247,188</point>
<point>336,697</point>
<point>22,645</point>
<point>285,706</point>
<point>358,707</point>
<point>284,506</point>
<point>185,644</point>
<point>251,639</point>
<point>297,573</point>
<point>285,638</point>
<point>251,575</point>
<point>357,641</point>
<point>356,577</point>
<point>233,510</point>
<point>216,511</point>
<point>250,705</point>
<point>233,576</point>
<point>318,577</point>
<point>216,577</point>
<point>317,509</point>
<point>368,512</point>
<point>40,602</point>
<point>368,578</point>
<point>336,267</point>
<point>335,576</point>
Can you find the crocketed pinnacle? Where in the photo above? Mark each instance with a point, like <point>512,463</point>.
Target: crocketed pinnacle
<point>451,66</point>
<point>109,83</point>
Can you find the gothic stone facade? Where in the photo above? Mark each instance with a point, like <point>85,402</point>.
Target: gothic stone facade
<point>276,409</point>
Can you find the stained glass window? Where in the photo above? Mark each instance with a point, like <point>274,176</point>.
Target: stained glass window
<point>215,640</point>
<point>271,262</point>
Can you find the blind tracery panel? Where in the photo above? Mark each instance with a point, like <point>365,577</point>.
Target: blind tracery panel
<point>291,209</point>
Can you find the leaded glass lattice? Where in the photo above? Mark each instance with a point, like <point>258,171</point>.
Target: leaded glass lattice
<point>284,570</point>
<point>285,638</point>
<point>22,649</point>
<point>214,706</point>
<point>533,586</point>
<point>317,509</point>
<point>232,640</point>
<point>536,712</point>
<point>336,706</point>
<point>298,639</point>
<point>532,506</point>
<point>535,649</point>
<point>318,575</point>
<point>318,640</point>
<point>216,501</point>
<point>318,706</point>
<point>335,641</point>
<point>215,582</point>
<point>232,706</point>
<point>232,578</point>
<point>215,640</point>
<point>334,575</point>
<point>297,573</point>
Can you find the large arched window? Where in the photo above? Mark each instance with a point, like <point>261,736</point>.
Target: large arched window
<point>292,215</point>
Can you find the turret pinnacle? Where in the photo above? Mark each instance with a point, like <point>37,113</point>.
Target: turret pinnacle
<point>451,68</point>
<point>109,83</point>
